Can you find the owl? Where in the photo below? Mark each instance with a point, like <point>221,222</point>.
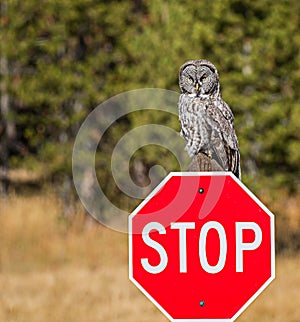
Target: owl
<point>207,122</point>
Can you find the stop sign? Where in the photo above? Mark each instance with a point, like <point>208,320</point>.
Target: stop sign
<point>201,247</point>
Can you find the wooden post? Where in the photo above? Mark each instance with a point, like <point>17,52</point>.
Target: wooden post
<point>201,162</point>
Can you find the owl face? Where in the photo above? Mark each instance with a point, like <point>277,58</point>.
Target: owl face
<point>199,78</point>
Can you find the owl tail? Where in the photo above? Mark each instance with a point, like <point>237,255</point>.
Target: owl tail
<point>220,152</point>
<point>227,158</point>
<point>236,165</point>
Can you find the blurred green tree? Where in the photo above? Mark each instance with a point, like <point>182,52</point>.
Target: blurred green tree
<point>59,59</point>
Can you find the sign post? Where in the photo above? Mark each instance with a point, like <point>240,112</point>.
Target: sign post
<point>201,247</point>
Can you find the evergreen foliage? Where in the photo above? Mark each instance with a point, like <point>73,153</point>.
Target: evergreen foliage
<point>60,59</point>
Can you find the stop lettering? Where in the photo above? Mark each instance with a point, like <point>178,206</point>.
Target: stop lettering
<point>182,228</point>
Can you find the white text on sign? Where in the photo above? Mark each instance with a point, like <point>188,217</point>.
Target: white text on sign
<point>183,228</point>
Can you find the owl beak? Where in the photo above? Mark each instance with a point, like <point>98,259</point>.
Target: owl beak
<point>197,86</point>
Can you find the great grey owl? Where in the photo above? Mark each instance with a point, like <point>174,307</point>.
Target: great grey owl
<point>206,120</point>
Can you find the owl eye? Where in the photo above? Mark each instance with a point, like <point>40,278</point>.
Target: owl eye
<point>203,78</point>
<point>191,79</point>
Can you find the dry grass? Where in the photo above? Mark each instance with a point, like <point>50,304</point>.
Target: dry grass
<point>50,271</point>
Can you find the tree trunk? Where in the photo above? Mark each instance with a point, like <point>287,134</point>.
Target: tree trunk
<point>7,125</point>
<point>4,127</point>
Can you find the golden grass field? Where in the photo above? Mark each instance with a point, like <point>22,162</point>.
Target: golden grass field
<point>59,272</point>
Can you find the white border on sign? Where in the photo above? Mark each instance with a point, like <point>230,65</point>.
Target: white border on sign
<point>272,241</point>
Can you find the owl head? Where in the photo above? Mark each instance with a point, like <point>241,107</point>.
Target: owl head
<point>199,78</point>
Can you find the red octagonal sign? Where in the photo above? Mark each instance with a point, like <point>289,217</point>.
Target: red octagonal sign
<point>201,247</point>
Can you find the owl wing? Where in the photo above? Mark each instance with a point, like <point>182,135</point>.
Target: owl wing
<point>223,139</point>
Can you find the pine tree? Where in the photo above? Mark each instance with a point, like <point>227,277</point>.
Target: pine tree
<point>60,59</point>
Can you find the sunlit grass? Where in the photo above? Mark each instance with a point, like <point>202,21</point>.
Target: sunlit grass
<point>52,270</point>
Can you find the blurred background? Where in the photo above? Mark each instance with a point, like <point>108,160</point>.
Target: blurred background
<point>58,61</point>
